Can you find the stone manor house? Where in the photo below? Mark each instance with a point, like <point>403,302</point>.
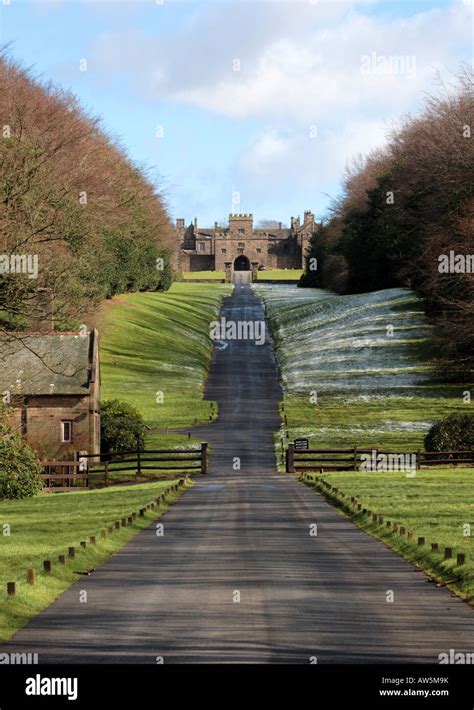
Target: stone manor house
<point>242,247</point>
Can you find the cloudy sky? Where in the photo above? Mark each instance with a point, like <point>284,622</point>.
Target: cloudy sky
<point>269,99</point>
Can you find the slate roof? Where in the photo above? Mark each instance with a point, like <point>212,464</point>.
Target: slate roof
<point>45,364</point>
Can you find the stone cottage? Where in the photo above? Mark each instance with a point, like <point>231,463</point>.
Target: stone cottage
<point>51,384</point>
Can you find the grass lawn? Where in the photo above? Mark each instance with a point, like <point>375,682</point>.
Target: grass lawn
<point>155,343</point>
<point>356,370</point>
<point>202,275</point>
<point>280,274</point>
<point>437,505</point>
<point>45,526</point>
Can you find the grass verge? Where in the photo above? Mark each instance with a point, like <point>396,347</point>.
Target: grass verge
<point>43,527</point>
<point>356,370</point>
<point>280,275</point>
<point>436,505</point>
<point>155,354</point>
<point>211,275</point>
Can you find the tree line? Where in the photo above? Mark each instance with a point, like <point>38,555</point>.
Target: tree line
<point>406,218</point>
<point>72,199</point>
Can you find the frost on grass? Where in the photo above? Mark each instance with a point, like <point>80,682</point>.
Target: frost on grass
<point>366,355</point>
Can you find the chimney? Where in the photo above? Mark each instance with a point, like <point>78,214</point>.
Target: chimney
<point>41,315</point>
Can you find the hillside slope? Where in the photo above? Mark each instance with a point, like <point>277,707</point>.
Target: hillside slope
<point>357,369</point>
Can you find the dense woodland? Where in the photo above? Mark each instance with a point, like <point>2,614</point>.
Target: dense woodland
<point>70,195</point>
<point>401,209</point>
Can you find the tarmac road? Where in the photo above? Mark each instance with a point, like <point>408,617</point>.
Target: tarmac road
<point>237,576</point>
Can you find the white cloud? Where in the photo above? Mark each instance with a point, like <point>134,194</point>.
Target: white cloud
<point>300,66</point>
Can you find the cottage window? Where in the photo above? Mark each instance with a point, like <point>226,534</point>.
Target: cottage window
<point>202,246</point>
<point>66,431</point>
<point>259,251</point>
<point>241,230</point>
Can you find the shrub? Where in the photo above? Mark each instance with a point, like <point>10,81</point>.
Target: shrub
<point>453,433</point>
<point>20,470</point>
<point>122,427</point>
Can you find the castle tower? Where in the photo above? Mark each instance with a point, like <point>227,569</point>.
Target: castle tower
<point>241,226</point>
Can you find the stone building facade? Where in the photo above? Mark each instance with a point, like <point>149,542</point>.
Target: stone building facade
<point>242,247</point>
<point>51,386</point>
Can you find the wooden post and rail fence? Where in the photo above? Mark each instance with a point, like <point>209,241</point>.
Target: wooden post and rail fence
<point>354,458</point>
<point>100,469</point>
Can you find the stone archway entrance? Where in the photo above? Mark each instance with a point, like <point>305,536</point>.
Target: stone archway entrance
<point>242,263</point>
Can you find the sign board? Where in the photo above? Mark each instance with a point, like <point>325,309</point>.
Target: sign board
<point>301,444</point>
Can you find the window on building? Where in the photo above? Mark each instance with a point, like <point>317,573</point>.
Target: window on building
<point>241,230</point>
<point>259,251</point>
<point>202,246</point>
<point>240,251</point>
<point>224,251</point>
<point>66,431</point>
<point>241,245</point>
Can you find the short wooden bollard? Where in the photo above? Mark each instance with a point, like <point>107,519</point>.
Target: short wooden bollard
<point>71,551</point>
<point>47,566</point>
<point>434,547</point>
<point>92,540</point>
<point>62,559</point>
<point>30,576</point>
<point>130,521</point>
<point>448,553</point>
<point>380,519</point>
<point>402,531</point>
<point>364,511</point>
<point>369,512</point>
<point>11,589</point>
<point>110,529</point>
<point>142,512</point>
<point>410,534</point>
<point>83,543</point>
<point>124,522</point>
<point>359,507</point>
<point>389,524</point>
<point>421,540</point>
<point>103,534</point>
<point>460,559</point>
<point>117,525</point>
<point>374,517</point>
<point>395,527</point>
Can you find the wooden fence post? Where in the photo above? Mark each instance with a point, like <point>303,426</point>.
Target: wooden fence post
<point>139,464</point>
<point>204,457</point>
<point>355,458</point>
<point>106,474</point>
<point>290,458</point>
